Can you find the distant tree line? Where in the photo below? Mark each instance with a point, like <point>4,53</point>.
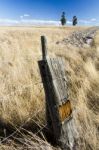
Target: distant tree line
<point>64,20</point>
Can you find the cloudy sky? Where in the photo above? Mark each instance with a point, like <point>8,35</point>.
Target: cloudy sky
<point>48,12</point>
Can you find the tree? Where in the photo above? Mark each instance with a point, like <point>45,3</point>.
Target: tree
<point>63,19</point>
<point>74,21</point>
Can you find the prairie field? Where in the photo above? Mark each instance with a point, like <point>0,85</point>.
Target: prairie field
<point>22,98</point>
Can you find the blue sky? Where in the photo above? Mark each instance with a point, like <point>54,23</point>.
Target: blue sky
<point>48,11</point>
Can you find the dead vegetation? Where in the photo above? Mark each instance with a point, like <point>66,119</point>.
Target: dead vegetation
<point>21,89</point>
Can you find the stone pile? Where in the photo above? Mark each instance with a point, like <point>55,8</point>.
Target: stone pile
<point>81,38</point>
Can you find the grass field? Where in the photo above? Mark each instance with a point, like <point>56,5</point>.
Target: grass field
<point>21,89</point>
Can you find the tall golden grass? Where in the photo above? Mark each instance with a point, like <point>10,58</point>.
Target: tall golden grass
<point>21,89</point>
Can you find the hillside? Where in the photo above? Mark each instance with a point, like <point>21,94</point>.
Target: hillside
<point>22,101</point>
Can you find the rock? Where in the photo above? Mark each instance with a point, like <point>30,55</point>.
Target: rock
<point>88,40</point>
<point>57,42</point>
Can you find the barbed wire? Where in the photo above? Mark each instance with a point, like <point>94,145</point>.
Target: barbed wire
<point>18,129</point>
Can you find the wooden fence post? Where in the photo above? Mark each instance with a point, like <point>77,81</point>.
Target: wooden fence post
<point>59,110</point>
<point>44,47</point>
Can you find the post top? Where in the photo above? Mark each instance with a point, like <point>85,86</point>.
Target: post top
<point>44,47</point>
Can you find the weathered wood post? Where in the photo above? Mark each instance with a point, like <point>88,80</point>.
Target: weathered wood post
<point>59,111</point>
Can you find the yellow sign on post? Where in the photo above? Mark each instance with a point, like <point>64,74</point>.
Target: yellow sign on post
<point>65,111</point>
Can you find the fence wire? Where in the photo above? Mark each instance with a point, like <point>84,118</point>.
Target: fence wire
<point>21,127</point>
<point>28,120</point>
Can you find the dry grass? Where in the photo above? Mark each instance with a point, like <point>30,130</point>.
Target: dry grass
<point>21,90</point>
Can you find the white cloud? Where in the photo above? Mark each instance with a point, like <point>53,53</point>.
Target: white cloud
<point>8,22</point>
<point>31,22</point>
<point>39,22</point>
<point>88,21</point>
<point>69,22</point>
<point>21,17</point>
<point>93,19</point>
<point>26,15</point>
<point>84,21</point>
<point>26,22</point>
